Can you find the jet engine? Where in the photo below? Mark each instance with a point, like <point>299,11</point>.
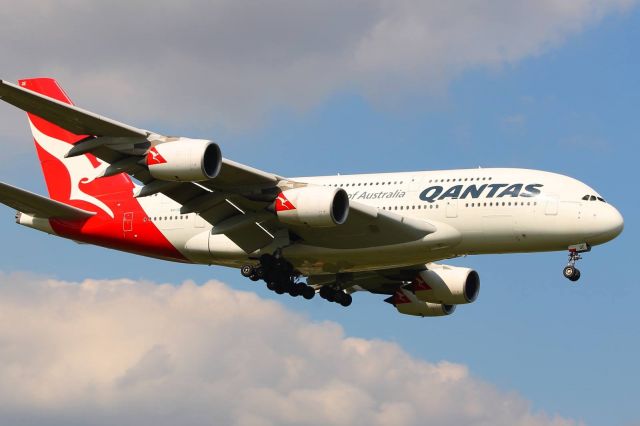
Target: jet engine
<point>447,284</point>
<point>185,160</point>
<point>314,206</point>
<point>407,303</point>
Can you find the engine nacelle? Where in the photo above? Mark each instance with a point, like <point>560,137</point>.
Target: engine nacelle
<point>39,223</point>
<point>447,284</point>
<point>185,160</point>
<point>407,303</point>
<point>314,206</point>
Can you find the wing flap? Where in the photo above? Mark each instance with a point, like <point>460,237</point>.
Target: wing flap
<point>39,206</point>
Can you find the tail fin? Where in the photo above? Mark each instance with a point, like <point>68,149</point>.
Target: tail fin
<point>70,180</point>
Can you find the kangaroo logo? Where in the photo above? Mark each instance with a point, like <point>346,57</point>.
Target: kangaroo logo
<point>400,297</point>
<point>154,157</point>
<point>420,284</point>
<point>282,203</point>
<point>80,168</point>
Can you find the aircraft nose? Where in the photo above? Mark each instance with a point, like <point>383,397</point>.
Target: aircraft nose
<point>615,222</point>
<point>609,225</point>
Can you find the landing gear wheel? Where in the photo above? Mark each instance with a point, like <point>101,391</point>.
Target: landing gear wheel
<point>271,285</point>
<point>258,272</point>
<point>247,271</point>
<point>301,288</point>
<point>295,290</point>
<point>572,273</point>
<point>569,271</point>
<point>254,277</point>
<point>308,292</point>
<point>345,299</point>
<point>576,276</point>
<point>326,293</point>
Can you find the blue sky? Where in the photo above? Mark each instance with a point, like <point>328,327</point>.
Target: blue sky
<point>570,107</point>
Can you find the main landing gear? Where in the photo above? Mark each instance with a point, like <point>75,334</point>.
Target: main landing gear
<point>279,276</point>
<point>335,295</point>
<point>570,271</point>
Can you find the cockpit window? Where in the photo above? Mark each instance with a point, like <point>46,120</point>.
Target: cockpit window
<point>593,198</point>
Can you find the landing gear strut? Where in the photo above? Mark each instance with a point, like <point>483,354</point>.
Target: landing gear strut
<point>570,271</point>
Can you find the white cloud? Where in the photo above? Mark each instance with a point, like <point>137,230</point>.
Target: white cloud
<point>196,64</point>
<point>125,352</point>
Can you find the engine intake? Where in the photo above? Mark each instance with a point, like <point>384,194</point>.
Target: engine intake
<point>313,206</point>
<point>185,160</point>
<point>447,284</point>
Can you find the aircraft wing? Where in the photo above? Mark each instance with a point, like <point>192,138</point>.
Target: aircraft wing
<point>236,202</point>
<point>113,135</point>
<point>37,205</point>
<point>69,117</point>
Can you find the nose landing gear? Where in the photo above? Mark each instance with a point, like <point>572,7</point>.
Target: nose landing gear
<point>570,271</point>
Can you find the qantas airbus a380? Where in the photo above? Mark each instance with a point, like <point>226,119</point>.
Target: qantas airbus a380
<point>178,199</point>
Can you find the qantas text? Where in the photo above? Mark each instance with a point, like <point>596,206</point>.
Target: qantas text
<point>491,190</point>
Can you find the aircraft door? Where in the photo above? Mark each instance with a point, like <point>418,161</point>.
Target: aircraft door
<point>127,222</point>
<point>199,222</point>
<point>551,208</point>
<point>452,208</point>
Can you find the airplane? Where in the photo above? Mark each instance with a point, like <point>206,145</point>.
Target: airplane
<point>178,199</point>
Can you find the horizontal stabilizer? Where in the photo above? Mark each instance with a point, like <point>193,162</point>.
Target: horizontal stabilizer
<point>39,206</point>
<point>69,117</point>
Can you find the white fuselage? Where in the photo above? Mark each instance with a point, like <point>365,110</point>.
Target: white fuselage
<point>475,211</point>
